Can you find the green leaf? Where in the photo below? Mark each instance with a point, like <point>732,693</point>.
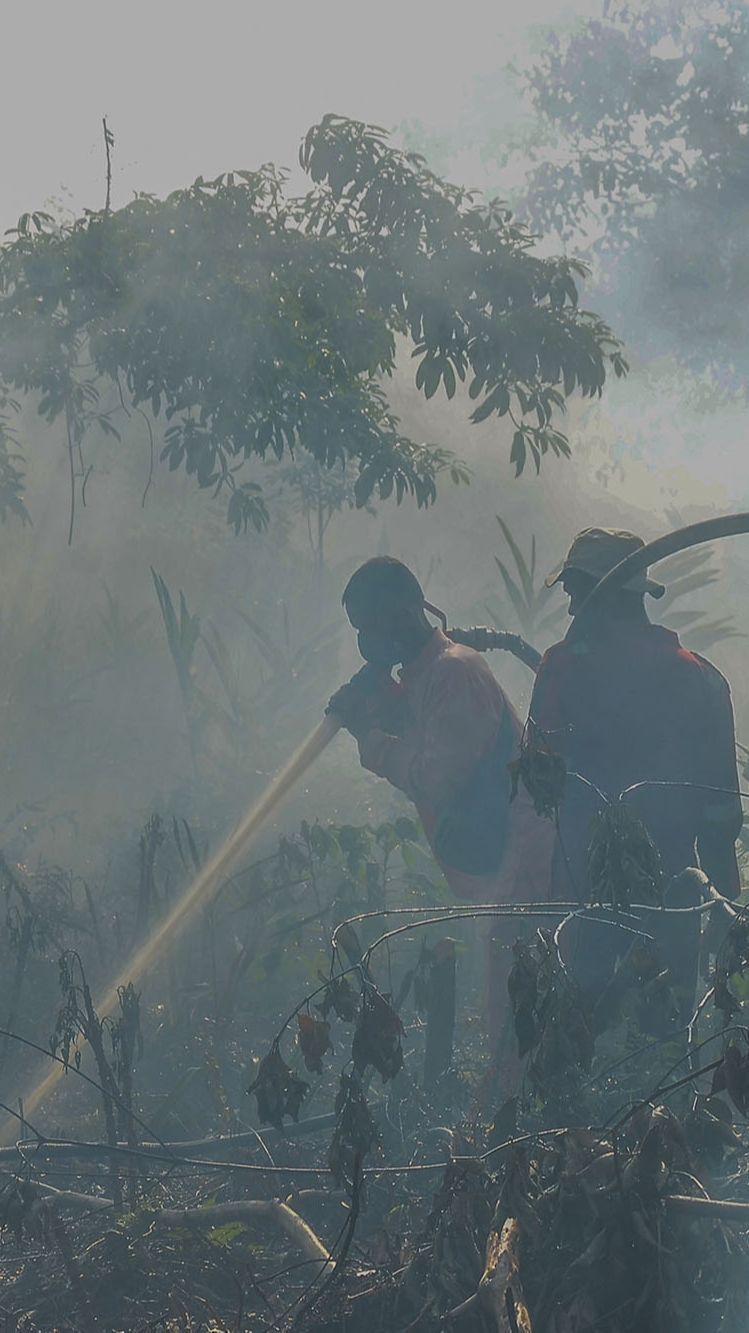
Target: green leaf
<point>514,593</point>
<point>517,453</point>
<point>526,578</point>
<point>432,377</point>
<point>226,1234</point>
<point>738,985</point>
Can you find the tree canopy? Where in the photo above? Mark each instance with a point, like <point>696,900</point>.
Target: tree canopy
<point>645,155</point>
<point>249,321</point>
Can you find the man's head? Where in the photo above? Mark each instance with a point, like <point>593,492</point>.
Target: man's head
<point>384,601</point>
<point>592,555</point>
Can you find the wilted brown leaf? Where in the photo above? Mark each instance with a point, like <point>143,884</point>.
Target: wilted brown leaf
<point>733,1077</point>
<point>314,1041</point>
<point>355,1132</point>
<point>377,1039</point>
<point>278,1091</point>
<point>341,997</point>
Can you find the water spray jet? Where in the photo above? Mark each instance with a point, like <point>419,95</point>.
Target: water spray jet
<point>215,870</point>
<point>199,891</point>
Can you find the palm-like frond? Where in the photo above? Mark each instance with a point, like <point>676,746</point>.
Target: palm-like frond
<point>182,632</point>
<point>530,602</point>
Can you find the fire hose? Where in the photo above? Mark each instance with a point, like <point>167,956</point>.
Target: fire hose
<point>682,539</point>
<point>484,640</point>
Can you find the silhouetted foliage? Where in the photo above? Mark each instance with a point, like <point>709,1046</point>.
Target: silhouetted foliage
<point>255,323</point>
<point>645,158</point>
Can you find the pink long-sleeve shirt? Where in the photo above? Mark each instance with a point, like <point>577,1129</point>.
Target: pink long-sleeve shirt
<point>454,710</point>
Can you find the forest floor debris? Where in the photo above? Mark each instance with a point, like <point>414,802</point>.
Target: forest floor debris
<point>610,1191</point>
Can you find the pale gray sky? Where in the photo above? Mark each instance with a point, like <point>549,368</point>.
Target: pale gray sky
<point>196,89</point>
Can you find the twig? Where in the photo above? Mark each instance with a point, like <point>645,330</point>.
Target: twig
<point>728,1210</point>
<point>71,464</point>
<point>108,145</point>
<point>693,786</point>
<point>663,1090</point>
<point>149,479</point>
<point>100,1151</point>
<point>353,1218</point>
<point>361,965</point>
<point>84,483</point>
<point>62,1148</point>
<point>692,1027</point>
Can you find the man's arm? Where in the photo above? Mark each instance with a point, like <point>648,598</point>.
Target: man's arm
<point>547,709</point>
<point>721,816</point>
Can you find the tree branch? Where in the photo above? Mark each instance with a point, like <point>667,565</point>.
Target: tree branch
<point>251,1210</point>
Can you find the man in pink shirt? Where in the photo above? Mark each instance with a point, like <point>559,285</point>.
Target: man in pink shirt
<point>444,734</point>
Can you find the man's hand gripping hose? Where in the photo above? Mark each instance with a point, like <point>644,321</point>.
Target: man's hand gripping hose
<point>353,704</point>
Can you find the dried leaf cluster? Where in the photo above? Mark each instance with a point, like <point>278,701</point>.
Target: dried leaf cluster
<point>542,772</point>
<point>623,861</point>
<point>553,1020</point>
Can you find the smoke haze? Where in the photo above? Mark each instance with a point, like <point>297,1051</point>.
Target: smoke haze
<point>94,728</point>
<point>97,727</point>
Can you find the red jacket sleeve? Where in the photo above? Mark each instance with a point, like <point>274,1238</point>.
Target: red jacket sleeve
<point>548,710</point>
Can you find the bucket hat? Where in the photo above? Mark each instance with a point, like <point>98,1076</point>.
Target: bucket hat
<point>596,551</point>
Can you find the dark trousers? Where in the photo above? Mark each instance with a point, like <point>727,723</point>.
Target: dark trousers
<point>593,949</point>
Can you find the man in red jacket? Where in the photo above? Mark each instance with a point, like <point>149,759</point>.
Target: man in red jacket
<point>443,734</point>
<point>624,702</point>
